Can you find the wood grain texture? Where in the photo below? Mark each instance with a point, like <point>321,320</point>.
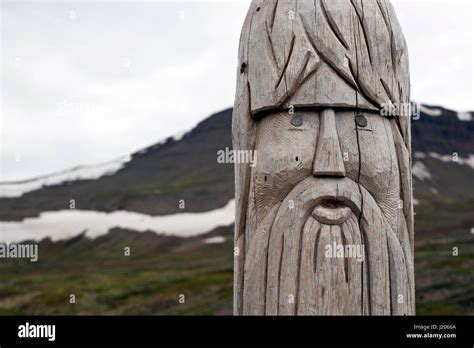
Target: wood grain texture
<point>243,138</point>
<point>324,220</point>
<point>328,157</point>
<point>343,53</point>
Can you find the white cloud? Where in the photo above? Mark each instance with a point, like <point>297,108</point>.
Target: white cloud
<point>440,38</point>
<point>85,82</point>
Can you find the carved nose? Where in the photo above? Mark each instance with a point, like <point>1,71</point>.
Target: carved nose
<point>328,160</point>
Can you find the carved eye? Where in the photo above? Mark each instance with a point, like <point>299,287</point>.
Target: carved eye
<point>297,120</point>
<point>361,121</point>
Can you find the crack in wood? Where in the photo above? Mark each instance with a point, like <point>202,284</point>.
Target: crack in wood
<point>333,25</point>
<point>360,81</point>
<point>383,16</point>
<point>279,272</point>
<point>298,82</point>
<point>359,86</point>
<point>392,37</point>
<point>270,47</point>
<point>341,73</point>
<point>360,15</point>
<point>273,15</point>
<point>346,261</point>
<point>287,62</point>
<point>315,252</point>
<point>389,278</point>
<point>387,91</point>
<point>388,25</point>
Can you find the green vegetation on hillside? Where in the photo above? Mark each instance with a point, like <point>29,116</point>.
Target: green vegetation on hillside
<point>105,282</point>
<point>151,279</point>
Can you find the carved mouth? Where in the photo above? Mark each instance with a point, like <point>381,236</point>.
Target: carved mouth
<point>331,212</point>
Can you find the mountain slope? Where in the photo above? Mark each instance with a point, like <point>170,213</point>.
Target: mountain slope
<point>152,182</point>
<point>156,179</point>
<point>160,268</point>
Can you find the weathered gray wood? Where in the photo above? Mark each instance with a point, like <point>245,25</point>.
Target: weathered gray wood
<point>379,168</point>
<point>243,138</point>
<point>285,239</point>
<point>358,54</point>
<point>328,157</point>
<point>333,174</point>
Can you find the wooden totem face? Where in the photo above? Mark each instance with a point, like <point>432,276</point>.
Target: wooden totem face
<point>324,222</point>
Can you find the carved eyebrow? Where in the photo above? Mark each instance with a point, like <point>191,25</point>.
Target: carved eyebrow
<point>302,109</point>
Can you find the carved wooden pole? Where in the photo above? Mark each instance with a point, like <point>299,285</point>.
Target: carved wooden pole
<point>324,220</point>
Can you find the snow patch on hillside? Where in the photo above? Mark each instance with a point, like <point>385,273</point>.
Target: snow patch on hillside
<point>465,116</point>
<point>431,111</point>
<point>89,172</point>
<point>92,172</point>
<point>436,112</point>
<point>66,224</point>
<point>466,161</point>
<point>179,136</point>
<point>420,171</point>
<point>215,240</point>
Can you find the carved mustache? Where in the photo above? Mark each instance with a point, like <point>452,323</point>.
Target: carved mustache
<point>329,200</point>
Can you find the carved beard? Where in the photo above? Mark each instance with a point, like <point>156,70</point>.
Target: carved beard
<point>288,252</point>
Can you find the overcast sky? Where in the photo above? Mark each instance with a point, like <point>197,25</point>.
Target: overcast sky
<point>85,82</point>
